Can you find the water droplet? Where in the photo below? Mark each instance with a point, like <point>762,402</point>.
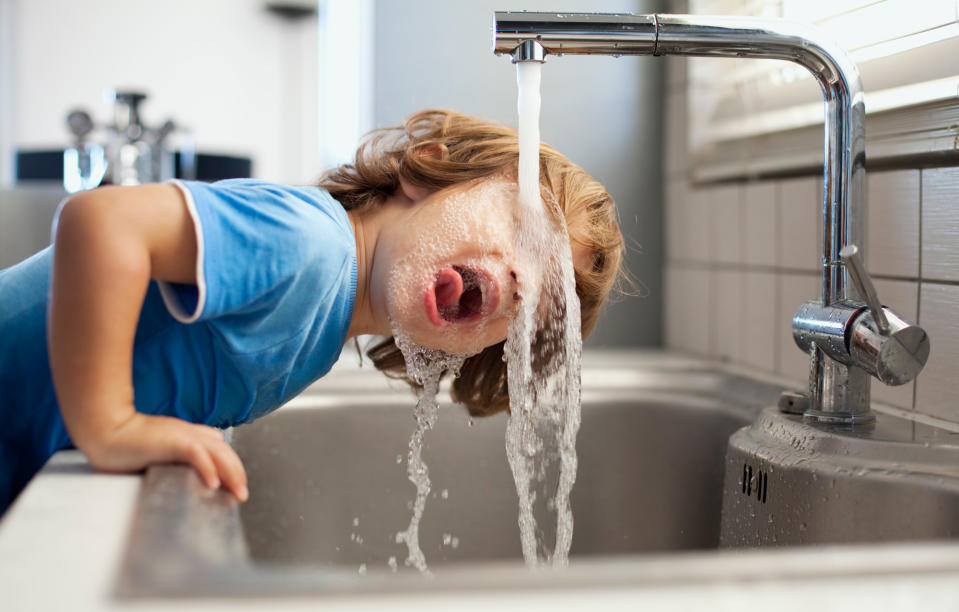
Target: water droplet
<point>445,493</point>
<point>362,569</point>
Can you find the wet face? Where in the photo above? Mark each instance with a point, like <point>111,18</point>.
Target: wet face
<point>446,273</point>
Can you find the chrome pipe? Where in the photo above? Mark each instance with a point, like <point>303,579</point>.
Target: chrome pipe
<point>576,33</point>
<point>706,36</point>
<point>835,387</point>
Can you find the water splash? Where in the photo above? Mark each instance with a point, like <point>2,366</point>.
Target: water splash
<point>425,367</point>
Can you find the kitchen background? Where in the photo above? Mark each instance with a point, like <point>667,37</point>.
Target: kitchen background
<point>295,95</point>
<point>715,164</point>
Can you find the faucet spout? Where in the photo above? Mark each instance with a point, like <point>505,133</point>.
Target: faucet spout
<point>529,51</point>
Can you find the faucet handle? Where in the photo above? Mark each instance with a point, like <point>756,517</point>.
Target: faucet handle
<point>880,341</point>
<point>857,271</point>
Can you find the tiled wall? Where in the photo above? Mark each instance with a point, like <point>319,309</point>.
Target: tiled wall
<point>742,257</point>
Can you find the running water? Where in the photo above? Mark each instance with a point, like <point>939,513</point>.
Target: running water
<point>528,104</point>
<point>543,354</point>
<point>425,367</point>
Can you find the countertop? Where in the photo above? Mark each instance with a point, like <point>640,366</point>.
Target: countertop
<point>61,546</point>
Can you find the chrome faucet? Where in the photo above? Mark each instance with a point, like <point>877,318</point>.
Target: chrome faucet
<point>845,337</point>
<point>133,152</point>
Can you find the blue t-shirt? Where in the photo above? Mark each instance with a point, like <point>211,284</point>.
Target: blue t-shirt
<point>269,314</point>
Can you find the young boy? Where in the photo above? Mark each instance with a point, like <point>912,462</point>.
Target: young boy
<point>164,312</point>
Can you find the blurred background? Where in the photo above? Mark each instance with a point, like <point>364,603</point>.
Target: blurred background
<point>282,90</point>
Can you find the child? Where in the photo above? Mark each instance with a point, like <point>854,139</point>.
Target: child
<point>164,312</point>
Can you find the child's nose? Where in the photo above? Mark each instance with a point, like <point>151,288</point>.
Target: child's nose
<point>515,287</point>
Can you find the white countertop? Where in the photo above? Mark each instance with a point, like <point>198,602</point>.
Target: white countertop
<point>61,546</point>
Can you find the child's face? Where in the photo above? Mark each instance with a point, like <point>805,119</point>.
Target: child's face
<point>447,273</point>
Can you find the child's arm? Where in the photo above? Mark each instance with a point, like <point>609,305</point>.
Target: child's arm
<point>109,244</point>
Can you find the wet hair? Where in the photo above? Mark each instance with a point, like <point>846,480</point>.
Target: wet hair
<point>472,149</point>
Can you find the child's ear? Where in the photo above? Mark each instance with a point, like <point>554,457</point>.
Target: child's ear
<point>413,192</point>
<point>434,151</point>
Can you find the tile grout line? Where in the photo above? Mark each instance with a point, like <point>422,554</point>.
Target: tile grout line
<point>915,384</point>
<point>780,284</point>
<point>688,263</point>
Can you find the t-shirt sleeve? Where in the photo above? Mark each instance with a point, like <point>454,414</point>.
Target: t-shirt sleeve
<point>252,237</point>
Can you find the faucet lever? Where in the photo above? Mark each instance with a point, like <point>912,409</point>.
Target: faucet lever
<point>857,271</point>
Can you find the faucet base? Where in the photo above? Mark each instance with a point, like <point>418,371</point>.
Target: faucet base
<point>791,482</point>
<point>839,418</point>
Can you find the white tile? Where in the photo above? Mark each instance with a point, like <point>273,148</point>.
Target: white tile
<point>760,237</point>
<point>937,393</point>
<point>940,224</point>
<point>729,287</point>
<point>800,215</point>
<point>687,318</point>
<point>724,204</point>
<point>793,291</point>
<point>699,304</point>
<point>696,241</point>
<point>675,136</point>
<point>759,324</point>
<point>674,217</point>
<point>901,296</point>
<point>672,306</point>
<point>892,245</point>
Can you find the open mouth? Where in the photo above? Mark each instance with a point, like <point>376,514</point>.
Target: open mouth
<point>460,294</point>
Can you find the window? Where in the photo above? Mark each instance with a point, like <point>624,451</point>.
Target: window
<point>753,117</point>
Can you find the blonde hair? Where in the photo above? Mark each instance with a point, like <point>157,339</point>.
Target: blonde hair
<point>475,149</point>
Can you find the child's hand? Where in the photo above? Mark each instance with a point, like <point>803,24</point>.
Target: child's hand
<point>144,439</point>
<point>110,243</point>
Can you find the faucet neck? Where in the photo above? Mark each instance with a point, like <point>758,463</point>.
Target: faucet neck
<point>834,386</point>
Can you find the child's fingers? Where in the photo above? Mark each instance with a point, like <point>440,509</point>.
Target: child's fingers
<point>197,454</point>
<point>230,469</point>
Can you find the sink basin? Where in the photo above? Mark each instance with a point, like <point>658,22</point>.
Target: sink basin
<point>329,485</point>
<point>679,462</point>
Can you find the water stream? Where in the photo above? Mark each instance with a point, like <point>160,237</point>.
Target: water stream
<point>543,355</point>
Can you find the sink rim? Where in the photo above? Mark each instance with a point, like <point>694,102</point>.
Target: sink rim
<point>834,449</point>
<point>208,556</point>
<point>225,571</point>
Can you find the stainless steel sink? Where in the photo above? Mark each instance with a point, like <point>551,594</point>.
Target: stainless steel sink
<point>329,486</point>
<point>677,462</point>
<point>793,482</point>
